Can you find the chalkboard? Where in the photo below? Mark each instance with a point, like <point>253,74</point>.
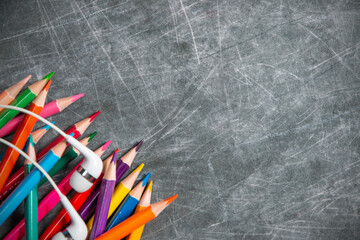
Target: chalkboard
<point>249,110</point>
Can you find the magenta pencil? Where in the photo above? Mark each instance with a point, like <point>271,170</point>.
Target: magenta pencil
<point>50,200</point>
<point>49,109</point>
<point>103,203</point>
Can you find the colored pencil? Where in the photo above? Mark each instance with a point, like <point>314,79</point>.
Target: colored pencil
<point>22,190</point>
<point>70,154</point>
<point>23,99</point>
<point>49,109</point>
<point>31,202</point>
<point>9,94</point>
<point>77,129</point>
<point>50,200</point>
<point>143,203</point>
<point>21,136</point>
<point>103,203</point>
<point>63,218</point>
<point>124,228</point>
<point>40,132</point>
<point>120,192</point>
<point>10,185</point>
<point>88,208</point>
<point>129,204</point>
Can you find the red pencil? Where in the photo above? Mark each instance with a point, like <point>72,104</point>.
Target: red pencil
<point>22,135</point>
<point>63,218</point>
<point>78,129</point>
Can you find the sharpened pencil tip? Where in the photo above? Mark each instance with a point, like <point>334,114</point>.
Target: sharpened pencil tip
<point>92,117</point>
<point>149,187</point>
<point>146,179</point>
<point>47,86</point>
<point>113,160</point>
<point>91,136</point>
<point>47,127</point>
<point>117,150</point>
<point>106,145</point>
<point>170,199</point>
<point>47,77</point>
<point>26,79</point>
<point>31,141</point>
<point>77,97</point>
<point>139,168</point>
<point>138,146</point>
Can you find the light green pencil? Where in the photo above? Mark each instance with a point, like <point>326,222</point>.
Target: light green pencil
<point>31,202</point>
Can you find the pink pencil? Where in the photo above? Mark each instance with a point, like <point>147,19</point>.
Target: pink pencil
<point>49,109</point>
<point>50,201</point>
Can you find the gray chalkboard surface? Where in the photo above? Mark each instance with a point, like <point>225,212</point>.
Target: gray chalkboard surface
<point>249,109</point>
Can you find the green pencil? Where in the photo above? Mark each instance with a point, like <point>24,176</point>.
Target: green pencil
<point>23,99</point>
<point>31,204</point>
<point>69,155</point>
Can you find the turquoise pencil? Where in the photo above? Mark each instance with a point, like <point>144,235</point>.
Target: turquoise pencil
<point>22,190</point>
<point>129,204</point>
<point>31,202</point>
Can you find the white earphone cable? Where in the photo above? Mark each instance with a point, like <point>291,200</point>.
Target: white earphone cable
<point>35,164</point>
<point>61,132</point>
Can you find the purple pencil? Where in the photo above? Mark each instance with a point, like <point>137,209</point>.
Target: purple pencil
<point>104,199</point>
<point>87,209</point>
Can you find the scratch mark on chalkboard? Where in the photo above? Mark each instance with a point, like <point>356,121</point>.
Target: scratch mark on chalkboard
<point>191,31</point>
<point>180,123</point>
<point>142,78</point>
<point>110,61</point>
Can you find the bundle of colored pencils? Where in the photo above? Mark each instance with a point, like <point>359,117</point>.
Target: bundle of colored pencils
<point>112,207</point>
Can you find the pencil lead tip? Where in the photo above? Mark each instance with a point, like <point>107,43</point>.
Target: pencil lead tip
<point>149,187</point>
<point>77,97</point>
<point>117,150</point>
<point>47,77</point>
<point>113,160</point>
<point>92,117</point>
<point>47,127</point>
<point>139,145</point>
<point>72,134</point>
<point>31,141</point>
<point>170,199</point>
<point>146,179</point>
<point>47,86</point>
<point>91,136</point>
<point>139,168</point>
<point>106,145</point>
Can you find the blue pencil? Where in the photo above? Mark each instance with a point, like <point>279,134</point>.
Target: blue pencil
<point>24,188</point>
<point>129,204</point>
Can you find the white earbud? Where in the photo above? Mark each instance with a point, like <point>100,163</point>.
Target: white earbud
<point>91,167</point>
<point>77,230</point>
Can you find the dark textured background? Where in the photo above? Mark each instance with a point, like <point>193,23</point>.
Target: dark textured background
<point>249,109</point>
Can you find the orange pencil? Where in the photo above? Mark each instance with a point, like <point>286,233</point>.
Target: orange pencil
<point>138,219</point>
<point>9,94</point>
<point>22,135</point>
